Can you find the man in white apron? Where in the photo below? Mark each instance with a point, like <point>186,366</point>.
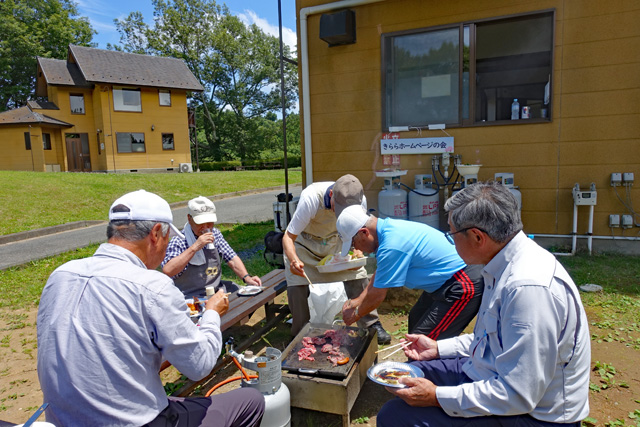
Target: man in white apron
<point>310,236</point>
<point>194,262</point>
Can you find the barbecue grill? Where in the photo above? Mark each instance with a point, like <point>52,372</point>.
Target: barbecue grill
<point>320,386</point>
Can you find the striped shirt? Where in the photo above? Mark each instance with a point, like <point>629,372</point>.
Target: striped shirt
<point>178,245</point>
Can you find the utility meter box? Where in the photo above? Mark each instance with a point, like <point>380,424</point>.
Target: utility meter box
<point>585,197</point>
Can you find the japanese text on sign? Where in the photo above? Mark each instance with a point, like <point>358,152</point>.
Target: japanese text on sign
<point>392,144</point>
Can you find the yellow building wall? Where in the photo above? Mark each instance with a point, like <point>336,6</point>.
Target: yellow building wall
<point>595,127</point>
<point>100,114</point>
<point>13,144</point>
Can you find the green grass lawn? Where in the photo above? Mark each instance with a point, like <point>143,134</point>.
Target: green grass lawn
<point>32,200</point>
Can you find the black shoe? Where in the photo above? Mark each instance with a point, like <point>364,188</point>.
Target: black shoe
<point>383,336</point>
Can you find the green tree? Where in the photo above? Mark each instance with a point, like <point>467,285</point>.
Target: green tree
<point>32,28</point>
<point>238,66</point>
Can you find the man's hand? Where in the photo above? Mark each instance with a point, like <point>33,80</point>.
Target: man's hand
<point>203,240</point>
<point>297,267</point>
<point>418,392</point>
<point>218,302</point>
<point>349,312</point>
<point>253,281</point>
<point>421,348</point>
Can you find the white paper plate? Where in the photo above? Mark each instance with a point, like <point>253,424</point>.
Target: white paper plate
<point>331,268</point>
<point>246,291</point>
<point>376,372</point>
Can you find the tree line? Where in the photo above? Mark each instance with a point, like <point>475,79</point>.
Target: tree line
<point>237,64</point>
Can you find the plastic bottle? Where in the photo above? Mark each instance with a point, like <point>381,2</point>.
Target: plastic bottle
<point>515,110</point>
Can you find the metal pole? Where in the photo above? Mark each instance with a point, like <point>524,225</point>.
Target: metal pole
<point>284,116</point>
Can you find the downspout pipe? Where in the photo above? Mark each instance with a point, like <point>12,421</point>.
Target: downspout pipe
<point>304,59</point>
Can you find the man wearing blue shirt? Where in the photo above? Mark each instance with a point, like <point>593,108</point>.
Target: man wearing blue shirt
<point>527,362</point>
<point>416,256</point>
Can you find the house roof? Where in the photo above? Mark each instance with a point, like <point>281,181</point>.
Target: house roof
<point>60,72</point>
<point>42,105</point>
<point>25,115</point>
<point>108,66</point>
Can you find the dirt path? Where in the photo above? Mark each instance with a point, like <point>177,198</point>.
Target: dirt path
<point>20,393</point>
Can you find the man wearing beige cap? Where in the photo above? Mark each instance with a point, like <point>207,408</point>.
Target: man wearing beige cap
<point>194,261</point>
<point>310,236</point>
<point>107,322</point>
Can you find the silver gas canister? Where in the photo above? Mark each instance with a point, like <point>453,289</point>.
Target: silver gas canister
<point>526,112</point>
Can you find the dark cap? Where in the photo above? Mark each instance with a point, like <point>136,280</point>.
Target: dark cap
<point>347,191</point>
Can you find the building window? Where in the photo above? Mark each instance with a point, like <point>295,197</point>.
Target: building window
<point>76,101</point>
<point>27,141</point>
<point>130,142</point>
<point>127,99</point>
<point>167,141</point>
<point>427,72</point>
<point>46,141</point>
<point>165,98</point>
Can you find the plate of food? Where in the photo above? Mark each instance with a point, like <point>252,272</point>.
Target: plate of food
<point>333,263</point>
<point>246,291</point>
<point>388,373</point>
<point>196,306</point>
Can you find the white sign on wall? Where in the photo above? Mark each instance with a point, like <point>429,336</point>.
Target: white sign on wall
<point>391,143</point>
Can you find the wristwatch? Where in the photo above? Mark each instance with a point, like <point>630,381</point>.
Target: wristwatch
<point>245,276</point>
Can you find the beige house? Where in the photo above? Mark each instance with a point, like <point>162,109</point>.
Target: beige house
<point>439,79</point>
<point>106,111</point>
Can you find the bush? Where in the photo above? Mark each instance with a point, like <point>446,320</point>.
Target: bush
<point>293,162</point>
<point>218,166</point>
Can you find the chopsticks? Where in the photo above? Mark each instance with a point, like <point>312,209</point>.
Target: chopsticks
<point>307,277</point>
<point>402,345</point>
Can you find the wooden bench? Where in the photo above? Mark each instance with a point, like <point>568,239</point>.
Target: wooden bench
<point>240,307</point>
<point>243,167</point>
<point>272,165</point>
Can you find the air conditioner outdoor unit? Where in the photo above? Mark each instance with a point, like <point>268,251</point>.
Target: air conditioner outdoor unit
<point>186,167</point>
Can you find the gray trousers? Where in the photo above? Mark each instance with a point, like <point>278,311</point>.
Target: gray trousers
<point>243,407</point>
<point>297,297</point>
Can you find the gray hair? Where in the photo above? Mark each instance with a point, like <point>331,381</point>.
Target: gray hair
<point>132,231</point>
<point>489,206</point>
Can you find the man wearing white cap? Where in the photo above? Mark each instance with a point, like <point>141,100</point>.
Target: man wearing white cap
<point>107,322</point>
<point>194,260</point>
<point>416,256</point>
<point>310,236</point>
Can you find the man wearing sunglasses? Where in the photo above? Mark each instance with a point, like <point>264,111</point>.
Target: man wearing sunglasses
<point>415,256</point>
<point>527,362</point>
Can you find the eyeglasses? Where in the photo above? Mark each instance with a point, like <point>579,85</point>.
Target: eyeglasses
<point>353,240</point>
<point>448,234</point>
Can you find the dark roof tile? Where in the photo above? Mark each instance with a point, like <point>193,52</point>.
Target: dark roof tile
<point>24,115</point>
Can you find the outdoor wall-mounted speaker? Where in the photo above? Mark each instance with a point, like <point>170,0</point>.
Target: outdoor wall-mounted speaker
<point>338,28</point>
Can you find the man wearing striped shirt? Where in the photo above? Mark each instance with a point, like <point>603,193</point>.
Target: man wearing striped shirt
<point>416,256</point>
<point>194,261</point>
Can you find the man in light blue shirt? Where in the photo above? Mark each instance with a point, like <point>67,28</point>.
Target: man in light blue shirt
<point>416,256</point>
<point>106,323</point>
<point>527,361</point>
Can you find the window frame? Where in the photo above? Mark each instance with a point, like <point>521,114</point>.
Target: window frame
<point>131,151</point>
<point>470,120</point>
<point>173,142</point>
<point>118,93</point>
<point>46,141</point>
<point>84,107</point>
<point>161,91</point>
<point>27,141</point>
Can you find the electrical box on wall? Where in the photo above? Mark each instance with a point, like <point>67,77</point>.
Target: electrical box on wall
<point>627,177</point>
<point>614,221</point>
<point>338,28</point>
<point>616,179</point>
<point>627,221</point>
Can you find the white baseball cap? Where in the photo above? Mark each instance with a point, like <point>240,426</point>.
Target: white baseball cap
<point>352,219</point>
<point>202,210</point>
<point>143,206</point>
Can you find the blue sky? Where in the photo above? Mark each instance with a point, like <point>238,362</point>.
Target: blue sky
<point>264,13</point>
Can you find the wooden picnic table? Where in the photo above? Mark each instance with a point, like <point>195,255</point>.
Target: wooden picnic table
<point>240,308</point>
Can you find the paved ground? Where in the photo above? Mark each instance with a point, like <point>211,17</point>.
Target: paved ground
<point>245,207</point>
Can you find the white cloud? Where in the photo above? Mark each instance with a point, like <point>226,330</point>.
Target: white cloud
<point>288,35</point>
